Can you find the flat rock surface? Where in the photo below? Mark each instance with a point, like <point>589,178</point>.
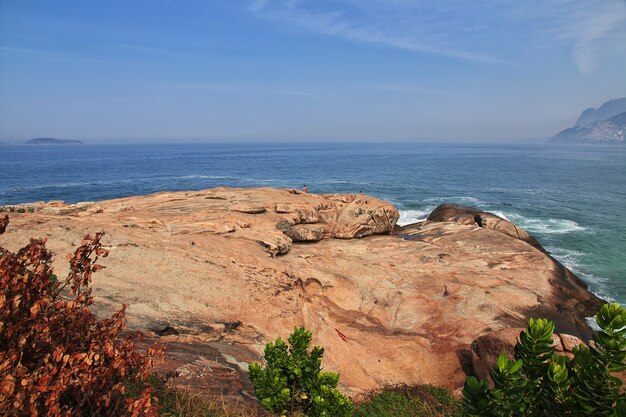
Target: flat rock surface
<point>217,270</point>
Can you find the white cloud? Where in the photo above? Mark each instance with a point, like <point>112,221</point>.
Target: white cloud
<point>368,30</point>
<point>592,28</point>
<point>257,5</point>
<point>489,31</point>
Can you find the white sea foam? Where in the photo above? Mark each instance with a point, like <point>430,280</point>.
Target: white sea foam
<point>591,321</point>
<point>207,177</point>
<point>351,182</point>
<point>412,216</point>
<point>500,214</point>
<point>569,257</point>
<point>467,199</point>
<point>542,226</point>
<point>573,260</point>
<point>67,185</point>
<point>461,198</point>
<point>261,180</point>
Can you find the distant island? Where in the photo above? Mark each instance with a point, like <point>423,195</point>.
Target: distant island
<point>52,141</point>
<point>606,125</point>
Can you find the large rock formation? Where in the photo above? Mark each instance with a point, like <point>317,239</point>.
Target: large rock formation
<point>607,124</point>
<point>459,213</point>
<point>609,131</point>
<point>220,272</point>
<point>605,111</point>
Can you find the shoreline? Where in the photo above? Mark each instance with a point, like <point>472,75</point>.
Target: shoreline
<point>551,200</point>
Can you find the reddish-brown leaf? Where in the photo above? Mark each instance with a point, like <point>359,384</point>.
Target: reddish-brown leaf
<point>4,222</point>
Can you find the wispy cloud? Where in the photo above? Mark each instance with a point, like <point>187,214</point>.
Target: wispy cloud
<point>487,31</point>
<point>240,89</point>
<point>590,27</point>
<point>341,23</point>
<point>257,5</point>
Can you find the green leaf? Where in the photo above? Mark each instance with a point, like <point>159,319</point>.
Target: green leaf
<point>516,366</point>
<point>502,361</point>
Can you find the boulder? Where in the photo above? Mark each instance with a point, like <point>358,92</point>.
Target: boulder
<point>276,244</point>
<point>305,232</point>
<point>570,342</point>
<point>307,215</point>
<point>249,208</point>
<point>361,217</point>
<point>461,214</point>
<point>486,349</point>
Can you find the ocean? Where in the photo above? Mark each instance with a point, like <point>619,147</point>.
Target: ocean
<point>572,199</point>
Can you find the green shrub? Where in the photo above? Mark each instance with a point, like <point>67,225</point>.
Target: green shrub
<point>540,383</point>
<point>293,383</point>
<point>410,401</point>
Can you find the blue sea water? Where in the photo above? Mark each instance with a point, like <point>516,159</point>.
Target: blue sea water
<point>573,199</point>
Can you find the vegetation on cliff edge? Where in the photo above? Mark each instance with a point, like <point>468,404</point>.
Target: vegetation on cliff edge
<point>56,358</point>
<point>293,383</point>
<point>539,382</point>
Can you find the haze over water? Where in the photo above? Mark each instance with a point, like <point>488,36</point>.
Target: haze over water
<point>570,198</point>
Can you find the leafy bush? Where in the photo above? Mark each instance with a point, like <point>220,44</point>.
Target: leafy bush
<point>56,358</point>
<point>540,383</point>
<point>410,401</point>
<point>293,383</point>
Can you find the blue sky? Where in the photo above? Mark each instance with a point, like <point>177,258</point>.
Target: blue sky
<point>295,70</point>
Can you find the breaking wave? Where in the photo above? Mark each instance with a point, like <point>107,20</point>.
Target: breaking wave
<point>542,226</point>
<point>412,216</point>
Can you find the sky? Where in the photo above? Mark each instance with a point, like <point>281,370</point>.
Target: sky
<point>294,70</point>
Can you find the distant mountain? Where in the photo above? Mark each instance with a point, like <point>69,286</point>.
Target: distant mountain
<point>606,111</point>
<point>51,141</point>
<point>605,124</point>
<point>610,131</point>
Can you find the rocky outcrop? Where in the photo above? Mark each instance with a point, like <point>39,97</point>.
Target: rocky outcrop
<point>572,299</point>
<point>279,216</point>
<point>486,349</point>
<point>225,269</point>
<point>470,216</point>
<point>305,232</point>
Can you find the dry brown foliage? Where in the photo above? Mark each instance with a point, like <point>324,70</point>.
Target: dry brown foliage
<point>56,358</point>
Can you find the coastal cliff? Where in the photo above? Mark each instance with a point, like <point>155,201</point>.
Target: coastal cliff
<point>606,125</point>
<point>216,274</point>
